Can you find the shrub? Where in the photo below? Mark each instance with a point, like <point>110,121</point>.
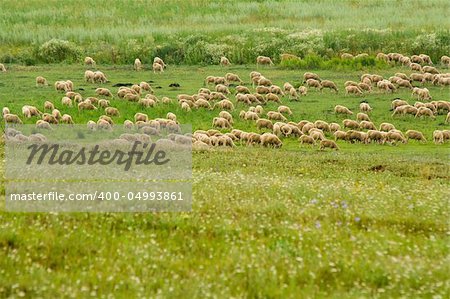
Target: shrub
<point>56,50</point>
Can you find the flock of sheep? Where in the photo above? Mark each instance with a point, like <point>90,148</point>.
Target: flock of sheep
<point>272,126</point>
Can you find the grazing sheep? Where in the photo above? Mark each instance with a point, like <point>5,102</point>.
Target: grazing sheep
<point>306,128</point>
<point>404,83</point>
<point>426,58</point>
<point>224,61</point>
<point>386,127</point>
<point>185,106</point>
<point>137,64</point>
<point>415,67</point>
<point>353,90</point>
<point>339,109</point>
<point>353,136</point>
<point>308,75</point>
<point>430,69</point>
<point>242,89</point>
<point>253,138</point>
<point>353,83</point>
<point>223,114</point>
<point>263,60</point>
<point>322,125</point>
<point>66,101</point>
<point>445,60</point>
<point>222,88</point>
<point>103,124</point>
<point>259,109</point>
<point>405,109</point>
<point>140,117</point>
<point>351,124</point>
<point>2,67</point>
<point>271,97</point>
<point>49,118</point>
<point>313,83</point>
<point>377,136</point>
<point>362,116</point>
<point>367,125</point>
<point>328,84</point>
<point>305,139</point>
<point>422,93</point>
<point>103,92</point>
<point>447,119</point>
<point>438,137</point>
<point>56,114</point>
<point>89,61</point>
<point>12,119</point>
<point>365,107</point>
<point>269,139</point>
<point>262,81</point>
<point>424,111</point>
<point>303,90</point>
<point>287,86</point>
<point>386,85</point>
<point>382,56</point>
<point>328,143</point>
<point>334,127</point>
<point>166,100</point>
<point>48,105</point>
<point>103,103</point>
<point>364,86</point>
<point>416,135</point>
<point>220,122</point>
<point>41,81</point>
<point>224,105</point>
<point>159,61</point>
<point>293,95</point>
<point>86,105</point>
<point>347,56</point>
<point>99,77</point>
<point>5,111</point>
<point>395,136</point>
<point>262,89</point>
<point>264,123</point>
<point>398,102</point>
<point>67,119</point>
<point>230,77</point>
<point>111,111</point>
<point>26,111</point>
<point>340,135</point>
<point>89,76</point>
<point>317,135</point>
<point>284,109</point>
<point>273,115</point>
<point>202,103</point>
<point>42,124</point>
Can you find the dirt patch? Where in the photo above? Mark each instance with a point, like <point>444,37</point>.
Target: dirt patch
<point>378,168</point>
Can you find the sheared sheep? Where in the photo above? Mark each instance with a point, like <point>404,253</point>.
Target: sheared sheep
<point>137,64</point>
<point>353,90</point>
<point>328,143</point>
<point>67,119</point>
<point>351,124</point>
<point>416,135</point>
<point>220,122</point>
<point>41,81</point>
<point>313,83</point>
<point>264,123</point>
<point>362,116</point>
<point>328,84</point>
<point>274,115</point>
<point>224,61</point>
<point>89,61</point>
<point>269,139</point>
<point>339,109</point>
<point>263,60</point>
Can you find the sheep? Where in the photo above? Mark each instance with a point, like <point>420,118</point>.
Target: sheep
<point>293,94</point>
<point>226,115</point>
<point>111,111</point>
<point>424,111</point>
<point>220,122</point>
<point>86,105</point>
<point>362,116</point>
<point>342,135</point>
<point>430,69</point>
<point>202,103</point>
<point>284,109</point>
<point>271,97</point>
<point>347,56</point>
<point>159,61</point>
<point>416,135</point>
<point>386,127</point>
<point>422,93</point>
<point>339,109</point>
<point>140,117</point>
<point>263,60</point>
<point>102,124</point>
<point>365,107</point>
<point>29,111</point>
<point>2,67</point>
<point>131,97</point>
<point>273,115</point>
<point>5,111</point>
<point>397,103</point>
<point>224,105</point>
<point>386,85</point>
<point>406,61</point>
<point>67,119</point>
<point>41,81</point>
<point>49,118</point>
<point>66,101</point>
<point>405,109</point>
<point>394,136</point>
<point>224,61</point>
<point>303,90</point>
<point>26,111</point>
<point>103,103</point>
<point>287,86</point>
<point>364,86</point>
<point>313,83</point>
<point>222,88</point>
<point>230,77</point>
<point>91,125</point>
<point>305,139</point>
<point>351,124</point>
<point>334,127</point>
<point>328,143</point>
<point>185,106</point>
<point>242,89</point>
<point>415,67</point>
<point>48,105</point>
<point>353,136</point>
<point>353,90</point>
<point>262,89</point>
<point>276,90</point>
<point>404,83</point>
<point>445,60</point>
<point>166,100</point>
<point>103,92</point>
<point>376,136</point>
<point>99,77</point>
<point>367,125</point>
<point>217,96</point>
<point>269,139</point>
<point>62,86</point>
<point>137,64</point>
<point>264,123</point>
<point>438,137</point>
<point>426,58</point>
<point>322,125</point>
<point>262,81</point>
<point>382,56</point>
<point>253,138</point>
<point>259,109</point>
<point>56,114</point>
<point>352,83</point>
<point>417,77</point>
<point>89,76</point>
<point>89,61</point>
<point>316,135</point>
<point>307,128</point>
<point>136,88</point>
<point>309,75</point>
<point>328,84</point>
<point>42,124</point>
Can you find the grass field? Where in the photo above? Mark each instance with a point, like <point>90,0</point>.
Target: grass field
<point>366,221</point>
<point>199,31</point>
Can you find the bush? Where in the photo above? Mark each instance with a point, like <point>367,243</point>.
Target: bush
<point>56,50</point>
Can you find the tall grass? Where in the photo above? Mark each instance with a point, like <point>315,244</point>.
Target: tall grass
<point>199,31</point>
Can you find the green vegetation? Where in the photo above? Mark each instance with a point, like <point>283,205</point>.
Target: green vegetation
<point>366,221</point>
<point>199,31</point>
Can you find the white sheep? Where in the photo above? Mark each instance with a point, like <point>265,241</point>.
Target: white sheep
<point>137,64</point>
<point>339,109</point>
<point>263,60</point>
<point>89,61</point>
<point>41,81</point>
<point>224,61</point>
